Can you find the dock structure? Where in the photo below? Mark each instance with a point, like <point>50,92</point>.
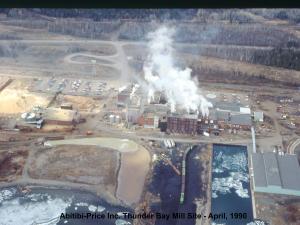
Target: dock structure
<point>173,167</point>
<point>183,174</point>
<point>253,140</point>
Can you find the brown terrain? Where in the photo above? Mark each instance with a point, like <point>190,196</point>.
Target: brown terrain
<point>93,165</point>
<point>12,164</point>
<point>251,52</point>
<point>278,209</point>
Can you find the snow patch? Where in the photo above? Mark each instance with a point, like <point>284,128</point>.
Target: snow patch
<point>29,213</point>
<point>92,208</point>
<point>7,194</point>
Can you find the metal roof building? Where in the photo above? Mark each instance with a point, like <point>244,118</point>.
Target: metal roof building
<point>234,107</point>
<point>242,119</point>
<point>258,116</point>
<point>273,173</point>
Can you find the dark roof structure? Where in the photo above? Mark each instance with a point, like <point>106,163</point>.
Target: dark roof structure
<point>259,167</point>
<point>271,169</point>
<point>241,119</point>
<point>230,106</point>
<point>289,171</point>
<point>275,173</point>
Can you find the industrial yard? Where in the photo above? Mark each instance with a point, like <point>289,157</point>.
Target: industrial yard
<point>139,121</point>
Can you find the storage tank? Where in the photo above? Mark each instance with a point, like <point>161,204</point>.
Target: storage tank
<point>112,118</point>
<point>206,134</point>
<point>30,116</point>
<point>173,143</point>
<point>24,115</point>
<point>169,143</point>
<point>165,143</point>
<point>117,119</point>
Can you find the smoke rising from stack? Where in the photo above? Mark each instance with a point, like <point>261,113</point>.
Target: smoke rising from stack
<point>162,75</point>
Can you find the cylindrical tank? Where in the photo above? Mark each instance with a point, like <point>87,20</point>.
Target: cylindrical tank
<point>117,119</point>
<point>112,118</point>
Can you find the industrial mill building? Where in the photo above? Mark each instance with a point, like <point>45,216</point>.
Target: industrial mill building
<point>278,174</point>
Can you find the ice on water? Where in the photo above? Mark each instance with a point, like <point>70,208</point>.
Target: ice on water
<point>256,223</point>
<point>7,194</point>
<point>31,209</point>
<point>37,208</point>
<point>122,222</point>
<point>236,166</point>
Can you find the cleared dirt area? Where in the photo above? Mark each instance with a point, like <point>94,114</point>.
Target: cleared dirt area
<point>217,69</point>
<point>121,145</point>
<point>134,163</point>
<point>87,165</point>
<point>56,128</point>
<point>278,209</point>
<point>80,103</point>
<point>134,168</point>
<point>237,69</point>
<point>12,164</point>
<point>89,59</point>
<point>22,33</point>
<point>46,58</point>
<point>17,99</point>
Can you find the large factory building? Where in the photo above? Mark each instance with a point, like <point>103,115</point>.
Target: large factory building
<point>278,174</point>
<point>216,121</point>
<point>186,124</point>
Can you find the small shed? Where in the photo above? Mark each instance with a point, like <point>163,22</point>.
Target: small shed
<point>258,116</point>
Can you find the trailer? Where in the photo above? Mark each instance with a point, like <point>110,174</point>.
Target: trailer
<point>165,143</point>
<point>169,143</point>
<point>173,143</point>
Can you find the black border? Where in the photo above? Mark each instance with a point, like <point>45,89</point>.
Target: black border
<point>150,4</point>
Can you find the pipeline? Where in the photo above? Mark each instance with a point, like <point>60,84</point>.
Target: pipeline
<point>183,174</point>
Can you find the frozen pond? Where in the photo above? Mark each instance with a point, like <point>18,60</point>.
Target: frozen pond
<point>230,183</point>
<point>167,184</point>
<point>43,206</point>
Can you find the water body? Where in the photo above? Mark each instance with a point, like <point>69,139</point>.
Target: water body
<point>230,184</point>
<point>167,184</point>
<point>44,204</point>
<point>193,185</point>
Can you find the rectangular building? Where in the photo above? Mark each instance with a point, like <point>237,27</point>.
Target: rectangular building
<point>123,98</point>
<point>278,174</point>
<point>133,114</point>
<point>258,116</point>
<point>240,121</point>
<point>60,116</point>
<point>149,120</point>
<point>186,124</point>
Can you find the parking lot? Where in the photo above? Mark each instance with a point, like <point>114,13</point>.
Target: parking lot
<point>70,86</point>
<point>238,98</point>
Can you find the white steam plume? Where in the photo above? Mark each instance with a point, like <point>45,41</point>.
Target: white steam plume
<point>162,75</point>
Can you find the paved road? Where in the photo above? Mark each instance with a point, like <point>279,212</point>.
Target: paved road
<point>48,183</point>
<point>292,146</point>
<point>123,42</point>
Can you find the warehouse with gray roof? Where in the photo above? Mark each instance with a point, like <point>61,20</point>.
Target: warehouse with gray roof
<point>278,174</point>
